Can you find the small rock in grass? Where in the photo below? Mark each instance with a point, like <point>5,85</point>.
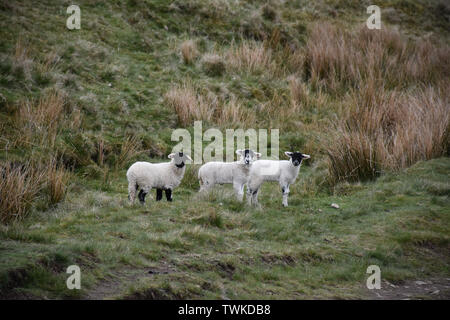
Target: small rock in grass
<point>335,205</point>
<point>435,292</point>
<point>419,283</point>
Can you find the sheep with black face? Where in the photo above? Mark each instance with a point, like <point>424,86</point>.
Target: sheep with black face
<point>283,171</point>
<point>235,173</point>
<point>164,176</point>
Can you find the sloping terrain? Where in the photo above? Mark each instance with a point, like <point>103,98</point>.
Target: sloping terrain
<point>77,107</point>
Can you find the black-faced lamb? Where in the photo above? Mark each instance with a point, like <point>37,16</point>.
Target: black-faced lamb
<point>283,171</point>
<point>235,173</point>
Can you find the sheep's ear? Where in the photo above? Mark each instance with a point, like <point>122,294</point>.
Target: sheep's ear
<point>289,154</point>
<point>187,157</point>
<point>170,156</point>
<point>305,156</point>
<point>257,155</point>
<point>239,152</point>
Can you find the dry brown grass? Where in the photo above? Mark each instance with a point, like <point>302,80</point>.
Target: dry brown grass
<point>234,114</point>
<point>250,57</point>
<point>190,105</point>
<point>189,51</point>
<point>389,131</point>
<point>338,59</point>
<point>39,123</point>
<point>19,186</point>
<point>129,150</point>
<point>57,179</point>
<point>213,64</point>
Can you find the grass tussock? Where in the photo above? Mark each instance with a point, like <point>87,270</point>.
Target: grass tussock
<point>389,131</point>
<point>213,64</point>
<point>190,105</point>
<point>336,59</point>
<point>39,123</point>
<point>24,183</point>
<point>57,180</point>
<point>189,51</point>
<point>250,57</point>
<point>19,186</point>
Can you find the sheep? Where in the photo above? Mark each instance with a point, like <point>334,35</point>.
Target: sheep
<point>162,176</point>
<point>283,171</point>
<point>235,172</point>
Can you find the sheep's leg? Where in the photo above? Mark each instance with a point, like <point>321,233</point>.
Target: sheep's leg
<point>255,197</point>
<point>169,194</point>
<point>132,188</point>
<point>249,196</point>
<point>205,185</point>
<point>239,189</point>
<point>159,194</point>
<point>142,195</point>
<point>285,190</point>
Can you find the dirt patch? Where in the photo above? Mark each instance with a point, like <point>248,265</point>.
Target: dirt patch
<point>278,259</point>
<point>119,281</point>
<point>436,289</point>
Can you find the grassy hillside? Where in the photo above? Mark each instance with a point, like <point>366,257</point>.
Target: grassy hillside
<point>78,107</point>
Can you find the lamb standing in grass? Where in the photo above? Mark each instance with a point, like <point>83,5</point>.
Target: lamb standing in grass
<point>161,176</point>
<point>284,171</point>
<point>235,172</point>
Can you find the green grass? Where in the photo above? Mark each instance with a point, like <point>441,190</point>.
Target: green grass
<point>211,246</point>
<point>115,71</point>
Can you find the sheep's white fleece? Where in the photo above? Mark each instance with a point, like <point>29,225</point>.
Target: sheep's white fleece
<point>216,172</point>
<point>282,171</point>
<point>146,176</point>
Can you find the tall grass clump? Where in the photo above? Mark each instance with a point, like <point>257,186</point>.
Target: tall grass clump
<point>190,105</point>
<point>189,51</point>
<point>19,186</point>
<point>38,124</point>
<point>339,59</point>
<point>390,131</point>
<point>213,64</point>
<point>250,57</point>
<point>57,179</point>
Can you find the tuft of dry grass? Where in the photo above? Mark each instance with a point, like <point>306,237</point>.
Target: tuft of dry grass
<point>39,123</point>
<point>234,114</point>
<point>338,59</point>
<point>250,57</point>
<point>57,179</point>
<point>189,51</point>
<point>19,186</point>
<point>129,150</point>
<point>388,131</point>
<point>213,64</point>
<point>188,104</point>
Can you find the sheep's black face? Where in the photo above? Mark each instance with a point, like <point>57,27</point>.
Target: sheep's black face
<point>248,156</point>
<point>297,157</point>
<point>179,158</point>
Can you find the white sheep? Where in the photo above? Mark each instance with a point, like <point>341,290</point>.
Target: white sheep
<point>283,171</point>
<point>161,176</point>
<point>236,172</point>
